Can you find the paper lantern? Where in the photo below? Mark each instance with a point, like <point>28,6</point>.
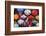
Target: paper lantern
<point>23,16</point>
<point>27,12</point>
<point>37,17</point>
<point>20,10</point>
<point>20,21</point>
<point>29,23</point>
<point>34,21</point>
<point>16,16</point>
<point>30,17</point>
<point>34,12</point>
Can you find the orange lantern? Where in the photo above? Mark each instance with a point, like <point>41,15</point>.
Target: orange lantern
<point>16,16</point>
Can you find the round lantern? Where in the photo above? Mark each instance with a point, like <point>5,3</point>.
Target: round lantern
<point>37,17</point>
<point>29,23</point>
<point>20,10</point>
<point>27,12</point>
<point>16,16</point>
<point>23,16</point>
<point>34,12</point>
<point>35,22</point>
<point>20,21</point>
<point>30,17</point>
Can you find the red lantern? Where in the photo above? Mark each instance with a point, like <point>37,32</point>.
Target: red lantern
<point>34,12</point>
<point>30,17</point>
<point>29,23</point>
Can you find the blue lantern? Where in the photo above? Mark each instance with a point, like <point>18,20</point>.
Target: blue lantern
<point>20,10</point>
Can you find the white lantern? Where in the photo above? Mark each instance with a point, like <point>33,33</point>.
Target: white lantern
<point>20,21</point>
<point>27,12</point>
<point>23,16</point>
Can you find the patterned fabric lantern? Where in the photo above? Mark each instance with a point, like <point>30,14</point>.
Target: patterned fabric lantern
<point>29,23</point>
<point>16,16</point>
<point>27,12</point>
<point>34,12</point>
<point>20,21</point>
<point>20,10</point>
<point>30,17</point>
<point>23,16</point>
<point>37,17</point>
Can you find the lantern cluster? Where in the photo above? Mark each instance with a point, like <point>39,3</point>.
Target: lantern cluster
<point>26,17</point>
